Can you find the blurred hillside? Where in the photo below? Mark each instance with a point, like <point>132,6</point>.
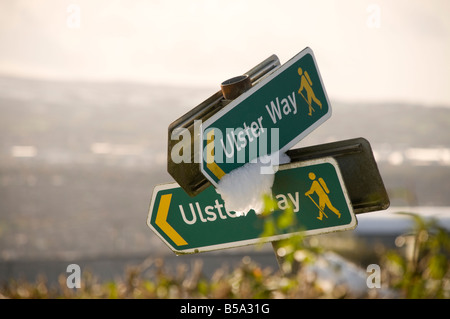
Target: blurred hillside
<point>78,161</point>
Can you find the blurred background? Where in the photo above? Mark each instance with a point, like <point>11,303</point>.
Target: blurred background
<point>88,89</point>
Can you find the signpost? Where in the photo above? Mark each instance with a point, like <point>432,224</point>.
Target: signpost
<point>312,191</point>
<point>280,106</point>
<point>272,116</point>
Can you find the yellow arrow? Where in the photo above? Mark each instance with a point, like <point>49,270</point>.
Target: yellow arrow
<point>212,166</point>
<point>161,221</point>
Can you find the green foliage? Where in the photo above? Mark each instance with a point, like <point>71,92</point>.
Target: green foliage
<point>423,272</point>
<point>292,250</point>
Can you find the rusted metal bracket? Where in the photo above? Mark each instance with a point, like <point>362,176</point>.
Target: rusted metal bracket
<point>187,173</point>
<point>359,170</point>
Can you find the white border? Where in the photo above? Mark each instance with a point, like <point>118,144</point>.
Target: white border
<point>353,222</point>
<point>245,95</point>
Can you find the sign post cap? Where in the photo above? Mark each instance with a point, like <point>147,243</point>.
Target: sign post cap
<point>235,86</point>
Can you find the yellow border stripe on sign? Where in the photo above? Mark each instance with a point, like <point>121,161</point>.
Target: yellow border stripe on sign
<point>161,221</point>
<point>212,166</point>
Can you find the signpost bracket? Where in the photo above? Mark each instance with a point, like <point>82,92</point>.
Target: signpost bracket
<point>359,170</point>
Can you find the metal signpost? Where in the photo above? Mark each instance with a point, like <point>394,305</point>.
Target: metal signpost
<point>268,109</point>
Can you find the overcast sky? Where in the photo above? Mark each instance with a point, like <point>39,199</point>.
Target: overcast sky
<point>366,50</point>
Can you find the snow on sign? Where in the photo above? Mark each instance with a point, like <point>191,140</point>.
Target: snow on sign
<point>271,116</point>
<point>314,190</point>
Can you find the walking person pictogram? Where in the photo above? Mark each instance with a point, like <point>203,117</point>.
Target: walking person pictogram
<point>320,188</point>
<point>306,84</point>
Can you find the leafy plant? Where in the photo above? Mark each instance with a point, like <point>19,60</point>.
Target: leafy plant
<point>422,272</point>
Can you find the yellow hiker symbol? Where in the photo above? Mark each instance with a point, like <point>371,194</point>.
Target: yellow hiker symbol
<point>320,188</point>
<point>306,84</point>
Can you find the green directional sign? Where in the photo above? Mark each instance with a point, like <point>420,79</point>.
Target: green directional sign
<point>313,191</point>
<point>273,115</point>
